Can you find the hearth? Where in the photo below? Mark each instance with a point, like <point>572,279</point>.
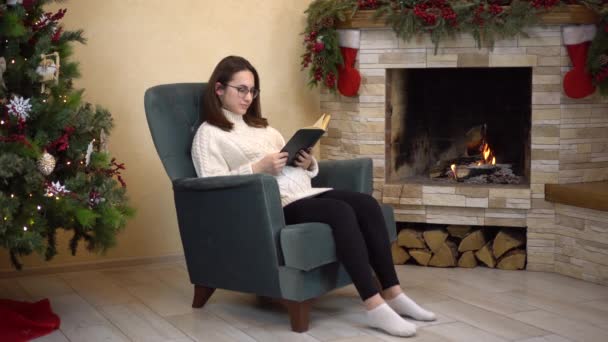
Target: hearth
<point>459,125</point>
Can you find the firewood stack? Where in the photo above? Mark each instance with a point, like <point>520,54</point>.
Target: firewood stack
<point>462,246</point>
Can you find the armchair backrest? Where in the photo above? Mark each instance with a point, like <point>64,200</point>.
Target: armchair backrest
<point>173,114</point>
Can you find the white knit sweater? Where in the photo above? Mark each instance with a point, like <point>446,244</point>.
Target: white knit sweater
<point>216,152</point>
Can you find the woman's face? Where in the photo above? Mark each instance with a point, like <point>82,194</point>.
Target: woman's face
<point>229,94</point>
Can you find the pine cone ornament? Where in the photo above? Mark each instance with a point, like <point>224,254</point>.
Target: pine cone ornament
<point>46,163</point>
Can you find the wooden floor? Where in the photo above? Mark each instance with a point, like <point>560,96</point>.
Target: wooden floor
<point>153,303</point>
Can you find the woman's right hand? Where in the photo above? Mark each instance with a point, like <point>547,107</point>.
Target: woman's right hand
<point>272,163</point>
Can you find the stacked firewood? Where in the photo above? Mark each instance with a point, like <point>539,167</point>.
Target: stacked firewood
<point>461,246</point>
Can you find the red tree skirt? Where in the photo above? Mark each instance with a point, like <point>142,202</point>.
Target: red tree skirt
<point>22,321</point>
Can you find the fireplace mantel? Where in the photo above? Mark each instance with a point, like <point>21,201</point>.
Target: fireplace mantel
<point>563,15</point>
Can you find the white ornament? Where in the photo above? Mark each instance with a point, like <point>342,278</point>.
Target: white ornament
<point>89,151</point>
<point>14,2</point>
<point>46,163</point>
<point>19,107</point>
<point>55,188</point>
<point>47,70</point>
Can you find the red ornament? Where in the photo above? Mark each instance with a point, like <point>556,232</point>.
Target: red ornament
<point>62,143</point>
<point>429,11</point>
<point>318,47</point>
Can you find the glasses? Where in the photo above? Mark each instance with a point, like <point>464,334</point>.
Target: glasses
<point>243,91</point>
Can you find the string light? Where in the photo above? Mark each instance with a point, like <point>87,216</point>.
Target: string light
<point>39,208</point>
<point>1,122</point>
<point>12,195</point>
<point>57,198</point>
<point>69,163</point>
<point>12,61</point>
<point>24,228</point>
<point>5,218</point>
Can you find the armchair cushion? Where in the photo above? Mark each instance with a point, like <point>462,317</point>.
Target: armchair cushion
<point>307,246</point>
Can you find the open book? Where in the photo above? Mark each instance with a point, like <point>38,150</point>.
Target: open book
<point>305,138</point>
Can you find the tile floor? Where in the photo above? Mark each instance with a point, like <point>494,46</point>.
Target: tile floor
<point>152,303</point>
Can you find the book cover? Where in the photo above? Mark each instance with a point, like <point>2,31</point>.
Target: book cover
<point>305,138</point>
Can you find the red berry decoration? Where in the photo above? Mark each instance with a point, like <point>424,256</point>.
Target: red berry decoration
<point>318,47</point>
<point>330,80</point>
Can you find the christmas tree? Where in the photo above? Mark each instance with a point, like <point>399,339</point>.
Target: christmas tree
<point>55,171</point>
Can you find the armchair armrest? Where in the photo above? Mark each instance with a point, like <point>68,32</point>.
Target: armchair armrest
<point>229,227</point>
<point>351,174</point>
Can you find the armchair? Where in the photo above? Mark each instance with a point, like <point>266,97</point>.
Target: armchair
<point>220,215</point>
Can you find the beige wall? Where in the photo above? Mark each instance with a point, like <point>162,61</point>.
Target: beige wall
<point>136,44</point>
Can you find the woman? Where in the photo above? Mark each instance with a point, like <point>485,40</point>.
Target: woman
<point>235,140</point>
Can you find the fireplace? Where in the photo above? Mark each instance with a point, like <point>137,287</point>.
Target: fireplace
<point>459,125</point>
<point>552,139</point>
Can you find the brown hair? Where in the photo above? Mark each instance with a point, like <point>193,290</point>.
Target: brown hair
<point>212,106</point>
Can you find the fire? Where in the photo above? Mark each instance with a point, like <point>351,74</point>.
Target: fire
<point>488,155</point>
<point>453,167</point>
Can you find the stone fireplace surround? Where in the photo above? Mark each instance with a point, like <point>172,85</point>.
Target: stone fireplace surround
<point>569,144</point>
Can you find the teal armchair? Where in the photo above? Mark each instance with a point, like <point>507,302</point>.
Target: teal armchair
<point>232,227</point>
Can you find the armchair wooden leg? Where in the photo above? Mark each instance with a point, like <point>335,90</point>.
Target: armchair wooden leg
<point>201,295</point>
<point>299,314</point>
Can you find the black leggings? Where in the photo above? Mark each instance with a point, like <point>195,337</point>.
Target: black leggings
<point>359,232</point>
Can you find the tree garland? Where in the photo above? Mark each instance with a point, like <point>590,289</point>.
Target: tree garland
<point>486,20</point>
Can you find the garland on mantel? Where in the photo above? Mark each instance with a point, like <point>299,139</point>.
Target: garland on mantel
<point>486,20</point>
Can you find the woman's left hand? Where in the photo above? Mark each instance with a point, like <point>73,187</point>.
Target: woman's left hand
<point>304,159</point>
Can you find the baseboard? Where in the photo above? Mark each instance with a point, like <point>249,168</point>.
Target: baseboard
<point>95,265</point>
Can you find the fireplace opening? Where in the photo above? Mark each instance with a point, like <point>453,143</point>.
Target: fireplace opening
<point>466,125</point>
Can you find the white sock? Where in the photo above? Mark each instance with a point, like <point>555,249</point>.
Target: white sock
<point>403,305</point>
<point>383,317</point>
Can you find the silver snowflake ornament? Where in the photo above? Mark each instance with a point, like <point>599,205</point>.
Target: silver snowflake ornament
<point>55,188</point>
<point>19,107</point>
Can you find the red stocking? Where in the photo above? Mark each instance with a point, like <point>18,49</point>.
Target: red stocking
<point>578,82</point>
<point>349,78</point>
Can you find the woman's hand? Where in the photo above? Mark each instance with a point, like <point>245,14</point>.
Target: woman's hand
<point>272,163</point>
<point>304,159</point>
